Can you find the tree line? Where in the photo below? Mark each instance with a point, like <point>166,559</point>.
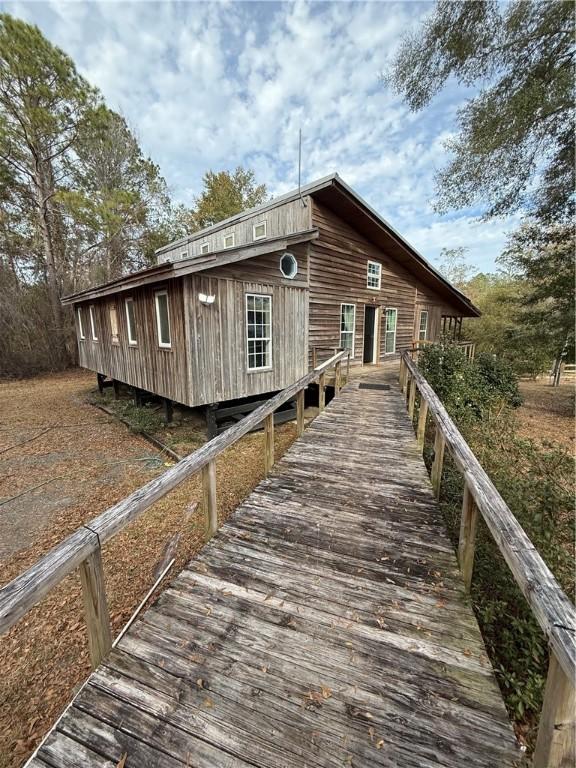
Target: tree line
<point>514,151</point>
<point>79,201</point>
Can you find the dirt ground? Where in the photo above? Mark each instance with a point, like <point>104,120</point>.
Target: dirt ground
<point>62,462</point>
<point>548,412</point>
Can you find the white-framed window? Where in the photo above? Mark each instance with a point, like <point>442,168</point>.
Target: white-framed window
<point>347,326</point>
<point>80,323</point>
<point>184,255</point>
<point>162,319</point>
<point>92,313</point>
<point>229,240</point>
<point>288,265</point>
<point>390,331</point>
<point>114,325</point>
<point>205,248</point>
<point>131,321</point>
<point>374,275</point>
<point>259,230</point>
<point>423,327</point>
<point>259,331</point>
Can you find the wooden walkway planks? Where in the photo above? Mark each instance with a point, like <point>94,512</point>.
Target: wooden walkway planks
<point>324,625</point>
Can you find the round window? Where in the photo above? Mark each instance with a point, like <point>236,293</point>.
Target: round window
<point>288,265</point>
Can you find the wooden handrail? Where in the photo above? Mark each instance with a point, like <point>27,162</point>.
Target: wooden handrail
<point>27,589</point>
<point>548,602</point>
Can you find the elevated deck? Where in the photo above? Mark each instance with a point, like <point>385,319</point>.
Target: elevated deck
<point>325,625</point>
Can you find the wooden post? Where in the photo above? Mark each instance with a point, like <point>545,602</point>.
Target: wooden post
<point>268,443</point>
<point>421,429</point>
<point>116,386</point>
<point>412,400</point>
<point>402,373</point>
<point>321,392</point>
<point>168,410</point>
<point>211,424</point>
<point>300,412</point>
<point>100,381</point>
<point>556,742</point>
<point>436,471</point>
<point>348,367</point>
<point>409,383</point>
<point>337,377</point>
<point>468,523</point>
<point>96,607</point>
<point>314,358</point>
<point>209,494</point>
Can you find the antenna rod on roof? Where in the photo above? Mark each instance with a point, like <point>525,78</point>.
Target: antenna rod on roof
<point>300,166</point>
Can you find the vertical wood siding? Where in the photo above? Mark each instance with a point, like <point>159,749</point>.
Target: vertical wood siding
<point>285,219</point>
<point>162,371</point>
<point>338,266</point>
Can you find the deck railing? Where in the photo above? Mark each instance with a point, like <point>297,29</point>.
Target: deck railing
<point>83,548</point>
<point>555,745</point>
<point>467,347</point>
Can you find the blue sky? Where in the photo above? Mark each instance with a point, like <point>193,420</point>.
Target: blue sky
<point>216,85</point>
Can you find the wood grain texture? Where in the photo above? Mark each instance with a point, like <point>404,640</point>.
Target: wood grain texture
<point>550,605</point>
<point>96,607</point>
<point>556,743</point>
<point>468,524</point>
<point>324,625</point>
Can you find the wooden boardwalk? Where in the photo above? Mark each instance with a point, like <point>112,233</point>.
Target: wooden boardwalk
<point>325,625</point>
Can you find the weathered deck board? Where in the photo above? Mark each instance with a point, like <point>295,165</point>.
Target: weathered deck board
<point>325,625</point>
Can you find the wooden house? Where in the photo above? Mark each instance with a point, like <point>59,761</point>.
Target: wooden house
<point>237,309</point>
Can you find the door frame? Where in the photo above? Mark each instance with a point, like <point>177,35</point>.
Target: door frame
<point>376,342</point>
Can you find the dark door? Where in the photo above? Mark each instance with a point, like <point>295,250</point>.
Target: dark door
<point>369,331</point>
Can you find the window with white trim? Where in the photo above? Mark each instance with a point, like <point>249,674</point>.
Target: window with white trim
<point>184,255</point>
<point>162,319</point>
<point>92,313</point>
<point>205,248</point>
<point>114,325</point>
<point>80,323</point>
<point>423,327</point>
<point>390,331</point>
<point>288,265</point>
<point>229,240</point>
<point>259,331</point>
<point>347,326</point>
<point>131,321</point>
<point>374,275</point>
<point>259,230</point>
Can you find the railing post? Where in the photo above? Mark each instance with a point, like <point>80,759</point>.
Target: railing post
<point>348,367</point>
<point>268,443</point>
<point>421,429</point>
<point>337,377</point>
<point>556,742</point>
<point>300,412</point>
<point>96,607</point>
<point>436,471</point>
<point>209,494</point>
<point>468,523</point>
<point>314,358</point>
<point>412,400</point>
<point>321,392</point>
<point>409,383</point>
<point>402,372</point>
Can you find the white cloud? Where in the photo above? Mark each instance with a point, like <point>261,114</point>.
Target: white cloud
<point>215,85</point>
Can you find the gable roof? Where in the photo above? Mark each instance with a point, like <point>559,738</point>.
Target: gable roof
<point>331,191</point>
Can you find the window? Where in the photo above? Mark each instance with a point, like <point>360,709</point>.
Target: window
<point>288,266</point>
<point>259,230</point>
<point>80,323</point>
<point>259,331</point>
<point>114,325</point>
<point>184,255</point>
<point>92,313</point>
<point>131,322</point>
<point>205,248</point>
<point>390,333</point>
<point>423,329</point>
<point>229,241</point>
<point>162,319</point>
<point>374,275</point>
<point>347,325</point>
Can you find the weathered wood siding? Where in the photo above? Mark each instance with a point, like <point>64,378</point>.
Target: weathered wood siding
<point>285,219</point>
<point>208,359</point>
<point>338,267</point>
<point>158,370</point>
<point>218,350</point>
